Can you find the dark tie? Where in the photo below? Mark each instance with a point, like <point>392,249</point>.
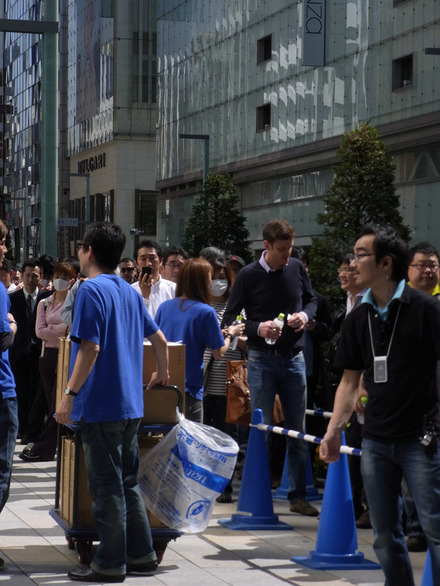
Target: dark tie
<point>30,307</point>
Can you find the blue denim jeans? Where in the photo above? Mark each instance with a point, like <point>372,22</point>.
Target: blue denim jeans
<point>8,437</point>
<point>112,460</point>
<point>383,465</point>
<point>269,374</point>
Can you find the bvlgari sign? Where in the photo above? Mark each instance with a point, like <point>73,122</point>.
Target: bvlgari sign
<point>91,164</point>
<point>314,33</point>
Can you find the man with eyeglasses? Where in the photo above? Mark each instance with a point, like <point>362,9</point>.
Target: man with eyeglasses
<point>423,274</point>
<point>127,270</point>
<point>392,339</point>
<point>423,267</point>
<point>173,258</point>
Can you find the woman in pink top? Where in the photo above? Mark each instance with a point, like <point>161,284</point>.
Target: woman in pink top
<point>50,328</point>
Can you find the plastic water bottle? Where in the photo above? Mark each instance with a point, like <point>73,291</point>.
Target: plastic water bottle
<point>278,322</point>
<point>361,417</point>
<point>233,344</point>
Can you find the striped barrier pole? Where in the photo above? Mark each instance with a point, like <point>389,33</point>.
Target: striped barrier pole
<point>304,436</point>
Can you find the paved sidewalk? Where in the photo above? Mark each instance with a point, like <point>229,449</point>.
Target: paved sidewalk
<point>35,550</point>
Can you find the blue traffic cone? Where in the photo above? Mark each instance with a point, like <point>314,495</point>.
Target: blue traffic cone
<point>427,572</point>
<point>255,507</point>
<point>336,541</point>
<point>282,491</point>
<point>312,493</point>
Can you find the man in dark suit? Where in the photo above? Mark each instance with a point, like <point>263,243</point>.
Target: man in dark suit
<point>26,349</point>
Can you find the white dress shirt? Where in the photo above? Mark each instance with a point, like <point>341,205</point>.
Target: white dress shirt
<point>160,291</point>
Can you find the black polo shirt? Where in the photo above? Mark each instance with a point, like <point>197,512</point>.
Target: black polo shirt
<point>395,409</point>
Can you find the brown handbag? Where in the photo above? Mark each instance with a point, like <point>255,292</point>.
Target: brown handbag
<point>238,397</point>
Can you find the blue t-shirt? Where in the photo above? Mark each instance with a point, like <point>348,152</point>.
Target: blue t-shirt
<point>7,381</point>
<point>194,324</point>
<point>110,313</point>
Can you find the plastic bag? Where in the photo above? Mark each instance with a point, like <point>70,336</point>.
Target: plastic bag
<point>183,474</point>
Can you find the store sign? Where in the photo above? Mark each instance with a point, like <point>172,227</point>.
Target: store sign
<point>314,33</point>
<point>91,164</point>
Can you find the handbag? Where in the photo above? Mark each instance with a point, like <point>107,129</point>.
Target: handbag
<point>238,397</point>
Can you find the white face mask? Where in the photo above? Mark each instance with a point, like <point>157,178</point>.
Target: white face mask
<point>60,284</point>
<point>219,287</point>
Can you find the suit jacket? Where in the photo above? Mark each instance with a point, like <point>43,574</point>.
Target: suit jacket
<point>25,339</point>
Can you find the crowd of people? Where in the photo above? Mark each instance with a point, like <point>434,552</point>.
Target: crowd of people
<point>380,345</point>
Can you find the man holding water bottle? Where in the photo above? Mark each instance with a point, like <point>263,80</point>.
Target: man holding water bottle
<point>278,284</point>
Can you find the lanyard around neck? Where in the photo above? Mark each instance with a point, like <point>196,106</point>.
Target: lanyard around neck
<point>392,333</point>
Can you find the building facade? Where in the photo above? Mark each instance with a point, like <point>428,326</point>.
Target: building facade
<point>107,100</point>
<point>112,114</point>
<point>276,84</point>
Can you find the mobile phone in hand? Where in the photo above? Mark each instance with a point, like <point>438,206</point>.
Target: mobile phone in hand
<point>146,271</point>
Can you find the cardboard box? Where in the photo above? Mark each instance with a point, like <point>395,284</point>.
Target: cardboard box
<point>84,515</point>
<point>62,367</point>
<point>146,443</point>
<point>176,354</point>
<point>176,368</point>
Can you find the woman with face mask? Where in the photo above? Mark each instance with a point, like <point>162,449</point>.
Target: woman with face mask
<point>49,327</point>
<point>214,401</point>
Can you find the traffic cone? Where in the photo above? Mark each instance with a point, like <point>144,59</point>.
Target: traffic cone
<point>255,507</point>
<point>427,572</point>
<point>312,493</point>
<point>336,541</point>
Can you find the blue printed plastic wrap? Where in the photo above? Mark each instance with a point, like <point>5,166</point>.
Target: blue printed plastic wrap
<point>182,475</point>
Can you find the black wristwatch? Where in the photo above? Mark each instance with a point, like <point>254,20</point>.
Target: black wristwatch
<point>68,391</point>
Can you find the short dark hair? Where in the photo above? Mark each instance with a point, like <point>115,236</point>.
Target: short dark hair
<point>192,280</point>
<point>387,242</point>
<point>126,259</point>
<point>47,262</point>
<point>346,257</point>
<point>107,242</point>
<point>6,265</point>
<point>300,254</point>
<point>32,263</point>
<point>278,230</point>
<point>423,248</point>
<point>148,244</point>
<point>173,251</point>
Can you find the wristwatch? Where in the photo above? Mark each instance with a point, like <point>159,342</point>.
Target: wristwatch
<point>68,391</point>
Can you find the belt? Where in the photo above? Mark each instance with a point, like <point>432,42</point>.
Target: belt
<point>277,352</point>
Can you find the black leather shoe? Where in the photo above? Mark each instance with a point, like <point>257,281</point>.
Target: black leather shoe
<point>30,456</point>
<point>91,575</point>
<point>224,498</point>
<point>142,568</point>
<point>2,564</point>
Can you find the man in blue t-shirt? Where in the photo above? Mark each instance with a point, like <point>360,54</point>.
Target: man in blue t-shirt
<point>8,398</point>
<point>104,393</point>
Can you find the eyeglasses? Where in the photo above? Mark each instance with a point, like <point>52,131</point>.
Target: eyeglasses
<point>127,269</point>
<point>357,257</point>
<point>424,266</point>
<point>79,245</point>
<point>173,264</point>
<point>346,271</point>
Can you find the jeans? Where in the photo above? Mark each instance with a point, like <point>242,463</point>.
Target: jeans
<point>112,460</point>
<point>383,465</point>
<point>269,374</point>
<point>8,437</point>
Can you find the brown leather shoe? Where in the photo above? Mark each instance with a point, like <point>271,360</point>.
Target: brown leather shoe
<point>303,508</point>
<point>364,521</point>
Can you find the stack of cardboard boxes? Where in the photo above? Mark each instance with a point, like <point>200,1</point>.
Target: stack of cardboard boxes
<point>159,407</point>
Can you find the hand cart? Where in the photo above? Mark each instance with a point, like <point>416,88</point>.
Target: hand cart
<point>72,510</point>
